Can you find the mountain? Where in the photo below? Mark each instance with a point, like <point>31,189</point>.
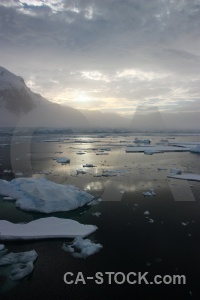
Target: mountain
<point>20,107</point>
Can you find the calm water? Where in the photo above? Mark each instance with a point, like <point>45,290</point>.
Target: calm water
<point>130,242</point>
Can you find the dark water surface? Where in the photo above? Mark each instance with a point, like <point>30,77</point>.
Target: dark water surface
<point>130,242</point>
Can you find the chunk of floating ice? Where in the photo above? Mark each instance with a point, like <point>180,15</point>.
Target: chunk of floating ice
<point>8,198</point>
<point>95,202</point>
<point>184,224</point>
<point>150,152</point>
<point>175,171</point>
<point>158,148</point>
<point>51,227</point>
<point>22,263</point>
<point>142,141</point>
<point>105,149</point>
<point>193,177</point>
<point>80,153</point>
<point>40,194</point>
<point>149,193</point>
<point>18,173</point>
<point>80,172</point>
<point>62,160</point>
<point>151,221</point>
<point>161,169</point>
<point>85,248</point>
<point>20,257</point>
<point>19,271</point>
<point>2,247</point>
<point>88,166</point>
<point>96,214</point>
<point>146,213</point>
<point>196,149</point>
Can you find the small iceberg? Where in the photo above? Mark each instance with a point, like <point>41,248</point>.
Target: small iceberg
<point>62,160</point>
<point>149,193</point>
<point>44,228</point>
<point>88,166</point>
<point>22,263</point>
<point>81,248</point>
<point>196,149</point>
<point>42,195</point>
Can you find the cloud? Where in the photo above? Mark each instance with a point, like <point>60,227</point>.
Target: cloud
<point>119,54</point>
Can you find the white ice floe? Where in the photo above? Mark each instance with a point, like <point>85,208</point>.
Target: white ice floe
<point>81,248</point>
<point>105,149</point>
<point>8,198</point>
<point>149,193</point>
<point>22,263</point>
<point>184,224</point>
<point>196,149</point>
<point>88,166</point>
<point>161,169</point>
<point>80,153</point>
<point>40,194</point>
<point>189,176</point>
<point>51,227</point>
<point>158,148</point>
<point>151,221</point>
<point>62,160</point>
<point>146,213</point>
<point>110,173</point>
<point>95,202</point>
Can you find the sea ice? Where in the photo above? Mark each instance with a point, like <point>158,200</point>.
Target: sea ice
<point>20,257</point>
<point>146,213</point>
<point>193,177</point>
<point>85,248</point>
<point>22,263</point>
<point>62,160</point>
<point>175,171</point>
<point>51,227</point>
<point>40,194</point>
<point>142,141</point>
<point>149,193</point>
<point>88,166</point>
<point>196,149</point>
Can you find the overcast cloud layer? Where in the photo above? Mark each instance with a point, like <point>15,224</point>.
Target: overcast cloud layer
<point>110,55</point>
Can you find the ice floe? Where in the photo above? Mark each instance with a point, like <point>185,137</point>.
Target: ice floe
<point>80,172</point>
<point>88,166</point>
<point>62,160</point>
<point>150,152</point>
<point>43,228</point>
<point>196,149</point>
<point>22,263</point>
<point>185,176</point>
<point>96,214</point>
<point>156,149</point>
<point>149,193</point>
<point>40,194</point>
<point>81,248</point>
<point>142,141</point>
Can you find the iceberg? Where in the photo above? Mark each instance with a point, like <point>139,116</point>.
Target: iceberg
<point>149,193</point>
<point>196,149</point>
<point>42,195</point>
<point>84,248</point>
<point>50,227</point>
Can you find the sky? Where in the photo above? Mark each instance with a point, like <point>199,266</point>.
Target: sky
<point>107,55</point>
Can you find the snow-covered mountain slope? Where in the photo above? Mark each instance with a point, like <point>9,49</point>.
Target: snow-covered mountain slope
<point>19,106</point>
